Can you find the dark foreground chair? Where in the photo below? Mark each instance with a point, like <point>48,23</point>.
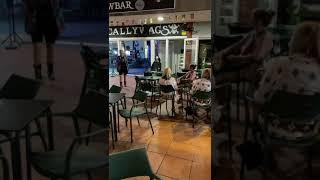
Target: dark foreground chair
<point>79,158</point>
<point>131,163</point>
<point>287,108</point>
<point>4,165</point>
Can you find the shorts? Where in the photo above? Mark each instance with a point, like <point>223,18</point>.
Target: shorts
<point>46,29</point>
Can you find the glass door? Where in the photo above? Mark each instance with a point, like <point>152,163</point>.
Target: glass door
<point>191,46</point>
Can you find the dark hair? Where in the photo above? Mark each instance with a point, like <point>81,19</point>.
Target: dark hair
<point>192,66</point>
<point>265,16</point>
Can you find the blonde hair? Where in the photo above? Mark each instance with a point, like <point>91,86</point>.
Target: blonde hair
<point>206,73</point>
<point>167,72</point>
<point>306,40</point>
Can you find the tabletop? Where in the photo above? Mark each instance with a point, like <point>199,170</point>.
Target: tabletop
<point>17,114</point>
<point>115,97</point>
<point>150,78</point>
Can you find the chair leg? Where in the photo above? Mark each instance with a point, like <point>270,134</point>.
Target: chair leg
<point>131,130</point>
<point>88,131</point>
<point>138,121</point>
<point>118,118</point>
<point>309,166</point>
<point>167,107</point>
<point>126,119</point>
<point>150,123</point>
<point>44,143</point>
<point>89,176</point>
<point>111,128</point>
<point>76,125</point>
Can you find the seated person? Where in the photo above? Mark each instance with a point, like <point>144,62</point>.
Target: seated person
<point>166,79</point>
<point>298,73</point>
<point>156,65</point>
<point>190,76</point>
<point>248,54</point>
<point>202,84</point>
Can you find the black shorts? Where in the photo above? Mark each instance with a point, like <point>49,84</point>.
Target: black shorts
<point>46,29</point>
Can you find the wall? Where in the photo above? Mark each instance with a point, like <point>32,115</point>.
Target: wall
<point>245,9</point>
<point>202,30</point>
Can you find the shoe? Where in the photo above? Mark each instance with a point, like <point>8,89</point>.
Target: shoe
<point>37,72</point>
<point>50,70</point>
<point>125,84</point>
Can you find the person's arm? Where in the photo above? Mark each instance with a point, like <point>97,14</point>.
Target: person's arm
<point>235,47</point>
<point>269,81</point>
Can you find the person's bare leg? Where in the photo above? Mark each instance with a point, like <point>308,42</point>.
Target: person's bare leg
<point>37,60</point>
<point>120,76</point>
<point>50,61</point>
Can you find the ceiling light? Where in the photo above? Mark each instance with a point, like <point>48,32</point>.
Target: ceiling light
<point>160,18</point>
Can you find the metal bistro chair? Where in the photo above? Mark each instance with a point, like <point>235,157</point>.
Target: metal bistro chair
<point>167,92</point>
<point>18,87</point>
<point>79,158</point>
<point>138,99</point>
<point>95,76</point>
<point>286,107</point>
<point>131,163</point>
<point>198,101</point>
<point>148,88</point>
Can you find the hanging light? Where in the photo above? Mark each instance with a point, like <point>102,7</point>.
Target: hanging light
<point>151,20</point>
<point>183,17</point>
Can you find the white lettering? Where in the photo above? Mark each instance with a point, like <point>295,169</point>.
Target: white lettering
<point>128,31</point>
<point>123,6</point>
<point>135,30</point>
<point>151,30</point>
<point>115,32</point>
<point>117,5</point>
<point>141,30</point>
<point>110,32</point>
<point>158,29</point>
<point>129,5</point>
<point>165,31</point>
<point>111,6</point>
<point>122,32</point>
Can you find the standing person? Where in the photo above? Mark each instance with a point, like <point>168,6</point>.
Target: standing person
<point>122,67</point>
<point>156,65</point>
<point>44,21</point>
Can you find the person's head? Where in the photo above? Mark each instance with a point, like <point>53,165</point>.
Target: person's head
<point>192,67</point>
<point>167,72</point>
<point>206,74</point>
<point>122,53</point>
<point>306,40</point>
<point>261,19</point>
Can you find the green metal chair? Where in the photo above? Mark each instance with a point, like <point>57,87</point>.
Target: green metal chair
<point>19,87</point>
<point>79,158</point>
<point>286,107</point>
<point>131,163</point>
<point>149,88</point>
<point>167,92</point>
<point>115,89</point>
<point>138,109</point>
<point>200,96</point>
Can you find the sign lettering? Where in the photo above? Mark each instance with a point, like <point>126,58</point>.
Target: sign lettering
<point>147,30</point>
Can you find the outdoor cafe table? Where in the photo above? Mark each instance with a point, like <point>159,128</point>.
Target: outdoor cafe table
<point>16,115</point>
<point>114,98</point>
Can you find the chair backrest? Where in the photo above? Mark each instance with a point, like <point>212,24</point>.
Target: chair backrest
<point>115,89</point>
<point>89,57</point>
<point>131,163</point>
<point>289,105</point>
<point>140,96</point>
<point>147,73</point>
<point>166,88</point>
<point>202,95</point>
<point>93,107</point>
<point>18,87</point>
<point>222,42</point>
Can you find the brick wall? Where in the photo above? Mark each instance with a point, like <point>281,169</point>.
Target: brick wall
<point>245,9</point>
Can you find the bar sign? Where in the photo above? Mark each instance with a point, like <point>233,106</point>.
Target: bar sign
<point>121,6</point>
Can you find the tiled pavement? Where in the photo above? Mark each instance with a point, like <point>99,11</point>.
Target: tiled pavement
<point>176,150</point>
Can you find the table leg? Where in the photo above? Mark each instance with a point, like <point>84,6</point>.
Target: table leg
<point>28,153</point>
<point>50,129</point>
<point>115,122</point>
<point>118,116</point>
<point>16,157</point>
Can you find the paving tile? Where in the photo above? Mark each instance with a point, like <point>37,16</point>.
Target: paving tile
<point>175,168</point>
<point>200,171</point>
<point>181,150</point>
<point>155,160</point>
<point>159,145</point>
